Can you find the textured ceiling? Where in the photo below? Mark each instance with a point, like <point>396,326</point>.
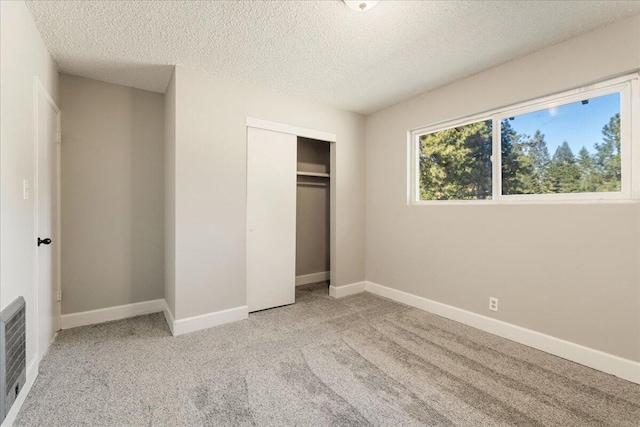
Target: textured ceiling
<point>319,50</point>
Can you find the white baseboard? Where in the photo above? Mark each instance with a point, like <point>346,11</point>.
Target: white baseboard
<point>346,290</point>
<point>205,321</point>
<point>177,327</point>
<point>312,278</point>
<point>111,313</point>
<point>32,374</point>
<point>596,359</point>
<point>168,316</point>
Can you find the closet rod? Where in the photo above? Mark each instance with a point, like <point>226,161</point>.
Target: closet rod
<point>314,184</point>
<point>314,174</point>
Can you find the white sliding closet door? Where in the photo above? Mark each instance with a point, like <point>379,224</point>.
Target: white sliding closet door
<point>271,218</point>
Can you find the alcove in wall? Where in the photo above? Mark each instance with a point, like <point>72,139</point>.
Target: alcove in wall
<point>313,211</point>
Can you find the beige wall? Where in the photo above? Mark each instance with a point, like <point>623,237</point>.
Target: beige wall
<point>210,198</point>
<point>112,194</point>
<point>314,156</point>
<point>567,270</point>
<point>23,55</point>
<point>312,229</point>
<point>170,194</point>
<point>313,202</point>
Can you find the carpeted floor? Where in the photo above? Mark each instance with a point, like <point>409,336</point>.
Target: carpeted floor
<point>357,361</point>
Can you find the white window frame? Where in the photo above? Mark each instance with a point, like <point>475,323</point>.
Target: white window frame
<point>629,88</point>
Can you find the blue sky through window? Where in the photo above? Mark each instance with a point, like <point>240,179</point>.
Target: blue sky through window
<point>578,124</point>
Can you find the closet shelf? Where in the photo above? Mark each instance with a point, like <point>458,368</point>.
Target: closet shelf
<point>314,174</point>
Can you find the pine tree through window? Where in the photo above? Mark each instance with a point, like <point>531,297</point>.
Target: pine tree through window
<point>455,164</point>
<point>572,148</point>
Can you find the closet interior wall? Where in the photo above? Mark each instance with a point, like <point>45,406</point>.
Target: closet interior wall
<point>312,212</point>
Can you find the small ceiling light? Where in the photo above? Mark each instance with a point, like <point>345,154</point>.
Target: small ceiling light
<point>361,5</point>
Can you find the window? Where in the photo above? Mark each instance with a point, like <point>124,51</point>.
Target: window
<point>575,145</point>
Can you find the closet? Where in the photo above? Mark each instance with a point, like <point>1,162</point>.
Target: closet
<point>312,217</point>
<point>288,214</point>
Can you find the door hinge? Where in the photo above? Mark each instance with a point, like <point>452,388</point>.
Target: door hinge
<point>59,296</point>
<point>58,137</point>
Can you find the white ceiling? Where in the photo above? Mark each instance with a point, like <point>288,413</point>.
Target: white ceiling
<point>319,50</point>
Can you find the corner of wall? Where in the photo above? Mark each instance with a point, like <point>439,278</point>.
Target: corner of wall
<point>170,194</point>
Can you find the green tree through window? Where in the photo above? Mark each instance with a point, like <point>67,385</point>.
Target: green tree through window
<point>455,164</point>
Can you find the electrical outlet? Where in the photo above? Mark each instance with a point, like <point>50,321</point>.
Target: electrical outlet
<point>493,304</point>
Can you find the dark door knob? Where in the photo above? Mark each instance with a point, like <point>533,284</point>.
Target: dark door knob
<point>43,241</point>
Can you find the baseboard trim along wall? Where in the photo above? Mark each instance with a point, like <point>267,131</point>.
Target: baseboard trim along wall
<point>177,327</point>
<point>596,359</point>
<point>346,290</point>
<point>32,374</point>
<point>119,312</point>
<point>312,278</point>
<point>205,321</point>
<point>168,316</point>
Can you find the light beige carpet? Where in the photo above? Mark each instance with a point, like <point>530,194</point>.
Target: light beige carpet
<point>357,361</point>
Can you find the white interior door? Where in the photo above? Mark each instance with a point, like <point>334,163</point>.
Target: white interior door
<point>271,218</point>
<point>46,194</point>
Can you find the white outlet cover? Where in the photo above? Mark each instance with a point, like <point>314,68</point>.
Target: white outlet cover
<point>493,304</point>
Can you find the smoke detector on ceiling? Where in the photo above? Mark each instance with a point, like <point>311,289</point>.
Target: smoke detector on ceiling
<point>360,5</point>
